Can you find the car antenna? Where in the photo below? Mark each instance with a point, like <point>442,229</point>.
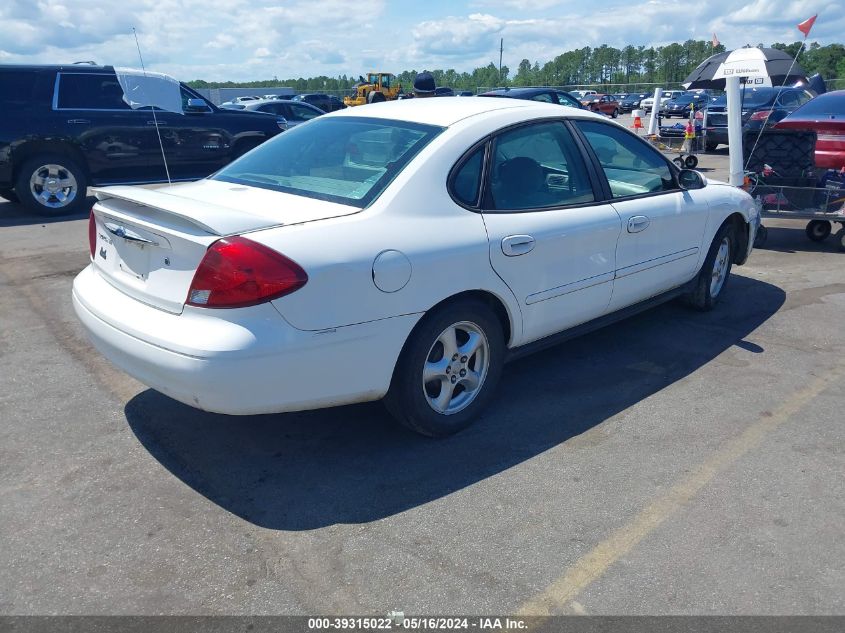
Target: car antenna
<point>153,108</point>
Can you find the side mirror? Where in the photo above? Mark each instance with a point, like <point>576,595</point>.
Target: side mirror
<point>282,122</point>
<point>197,105</point>
<point>691,179</point>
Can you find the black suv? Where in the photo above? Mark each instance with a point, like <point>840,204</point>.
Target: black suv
<point>326,103</point>
<point>64,128</point>
<point>761,107</point>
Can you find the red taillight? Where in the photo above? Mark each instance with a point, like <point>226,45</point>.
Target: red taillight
<point>92,233</point>
<point>762,115</point>
<point>236,272</point>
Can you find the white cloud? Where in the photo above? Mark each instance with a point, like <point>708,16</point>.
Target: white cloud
<point>254,39</point>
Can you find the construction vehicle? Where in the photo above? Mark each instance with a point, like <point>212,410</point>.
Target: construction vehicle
<point>375,88</point>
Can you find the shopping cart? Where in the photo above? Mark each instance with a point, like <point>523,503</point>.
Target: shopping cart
<point>823,205</point>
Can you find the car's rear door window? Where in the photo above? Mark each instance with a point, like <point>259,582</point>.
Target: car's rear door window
<point>16,89</point>
<point>90,91</point>
<point>537,166</point>
<point>466,181</point>
<point>631,166</point>
<point>349,160</point>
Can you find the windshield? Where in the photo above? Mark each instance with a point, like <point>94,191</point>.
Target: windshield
<point>349,160</point>
<point>824,105</point>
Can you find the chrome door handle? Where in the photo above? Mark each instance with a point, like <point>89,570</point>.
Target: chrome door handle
<point>156,123</point>
<point>514,245</point>
<point>80,121</point>
<point>638,223</point>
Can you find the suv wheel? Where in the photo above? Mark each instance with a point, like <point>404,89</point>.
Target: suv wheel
<point>52,184</point>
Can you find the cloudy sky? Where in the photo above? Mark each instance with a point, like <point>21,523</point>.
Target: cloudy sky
<point>259,39</point>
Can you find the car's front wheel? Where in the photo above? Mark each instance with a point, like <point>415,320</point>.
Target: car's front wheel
<point>448,370</point>
<point>52,184</point>
<point>713,277</point>
<point>615,112</point>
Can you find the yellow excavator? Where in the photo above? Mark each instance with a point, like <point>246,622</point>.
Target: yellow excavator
<point>376,87</point>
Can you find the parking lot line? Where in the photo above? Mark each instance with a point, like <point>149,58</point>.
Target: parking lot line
<point>595,563</point>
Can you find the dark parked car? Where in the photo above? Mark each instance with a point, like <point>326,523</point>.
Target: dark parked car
<point>326,103</point>
<point>64,128</point>
<point>680,105</point>
<point>632,101</point>
<point>294,112</point>
<point>444,91</point>
<point>826,116</point>
<point>547,95</point>
<point>760,107</point>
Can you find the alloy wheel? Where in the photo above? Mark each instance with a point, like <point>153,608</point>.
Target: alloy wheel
<point>455,367</point>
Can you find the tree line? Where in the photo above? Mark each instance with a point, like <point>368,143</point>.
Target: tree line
<point>603,65</point>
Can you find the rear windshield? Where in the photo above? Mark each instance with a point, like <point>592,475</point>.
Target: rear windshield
<point>349,160</point>
<point>824,105</point>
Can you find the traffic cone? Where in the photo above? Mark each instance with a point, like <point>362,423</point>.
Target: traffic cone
<point>638,124</point>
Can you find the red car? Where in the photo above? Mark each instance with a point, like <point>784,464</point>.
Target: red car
<point>826,116</point>
<point>606,104</point>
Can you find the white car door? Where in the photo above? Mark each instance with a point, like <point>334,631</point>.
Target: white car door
<point>550,241</point>
<point>662,225</point>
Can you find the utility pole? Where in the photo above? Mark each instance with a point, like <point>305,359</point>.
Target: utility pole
<point>501,50</point>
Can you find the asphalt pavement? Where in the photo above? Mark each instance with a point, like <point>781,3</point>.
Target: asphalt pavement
<point>673,463</point>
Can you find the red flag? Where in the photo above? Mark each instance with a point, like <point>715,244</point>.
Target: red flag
<point>714,41</point>
<point>807,24</point>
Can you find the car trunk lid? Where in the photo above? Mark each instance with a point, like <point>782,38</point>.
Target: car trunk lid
<point>149,242</point>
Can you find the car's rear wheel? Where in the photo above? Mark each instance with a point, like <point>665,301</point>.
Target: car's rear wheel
<point>615,112</point>
<point>710,147</point>
<point>449,368</point>
<point>713,277</point>
<point>52,184</point>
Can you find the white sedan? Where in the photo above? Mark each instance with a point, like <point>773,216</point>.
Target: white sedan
<point>401,250</point>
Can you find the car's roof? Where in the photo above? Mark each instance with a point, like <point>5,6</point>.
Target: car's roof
<point>446,112</point>
<point>521,91</point>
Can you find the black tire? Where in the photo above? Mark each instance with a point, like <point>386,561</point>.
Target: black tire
<point>761,237</point>
<point>10,195</point>
<point>840,239</point>
<point>376,97</point>
<point>818,230</point>
<point>691,162</point>
<point>408,397</point>
<point>615,113</point>
<point>66,166</point>
<point>702,296</point>
<point>711,147</point>
<point>679,162</point>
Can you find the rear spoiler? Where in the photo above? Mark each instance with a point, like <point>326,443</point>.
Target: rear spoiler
<point>211,218</point>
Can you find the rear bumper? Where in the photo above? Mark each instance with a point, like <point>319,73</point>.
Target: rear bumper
<point>241,361</point>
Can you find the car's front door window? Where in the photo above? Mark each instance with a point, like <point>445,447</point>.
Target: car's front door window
<point>632,168</point>
<point>543,96</point>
